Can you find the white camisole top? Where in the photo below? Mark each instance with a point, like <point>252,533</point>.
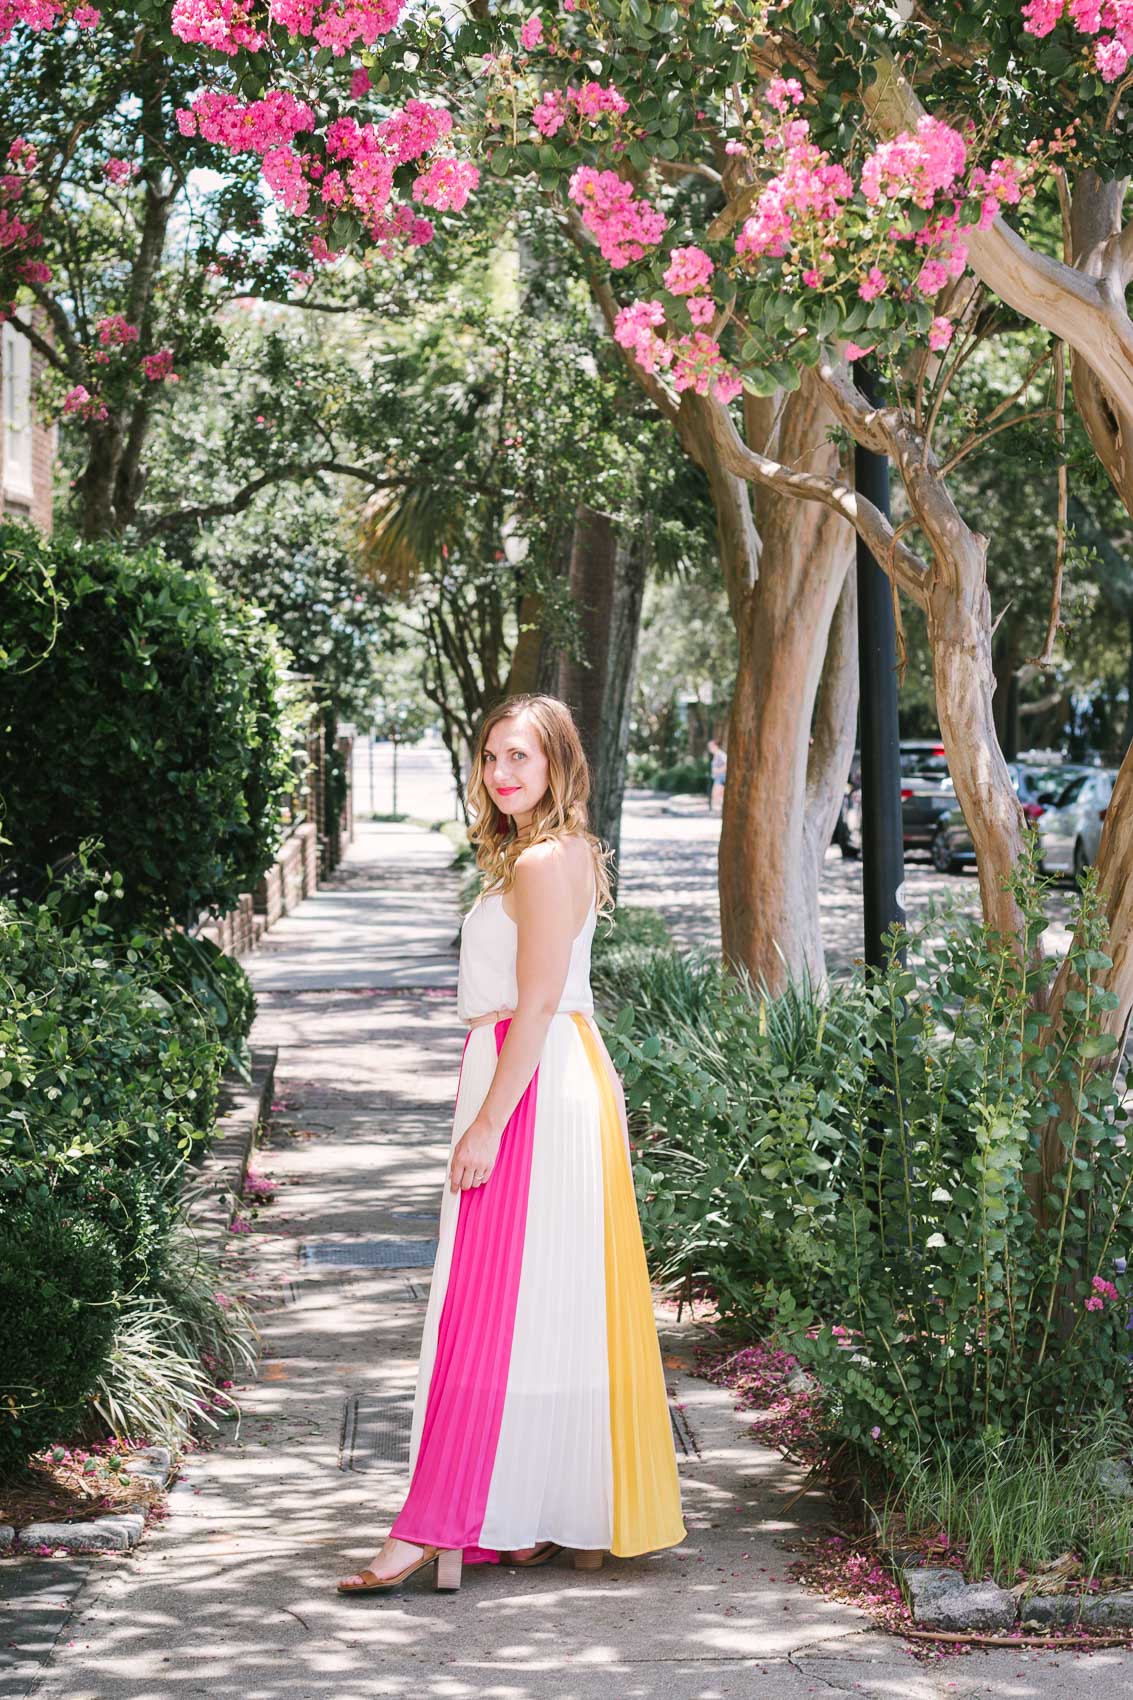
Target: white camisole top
<point>486,976</point>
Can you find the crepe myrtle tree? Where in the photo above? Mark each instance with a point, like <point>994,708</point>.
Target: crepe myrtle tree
<point>127,229</point>
<point>763,184</point>
<point>840,209</point>
<point>352,154</point>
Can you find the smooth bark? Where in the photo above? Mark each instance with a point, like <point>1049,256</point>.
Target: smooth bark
<point>784,581</point>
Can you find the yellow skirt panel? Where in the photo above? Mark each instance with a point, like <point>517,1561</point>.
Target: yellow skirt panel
<point>647,1498</point>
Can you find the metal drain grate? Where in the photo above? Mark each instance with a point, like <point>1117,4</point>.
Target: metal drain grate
<point>371,1254</point>
<point>682,1433</point>
<point>375,1429</point>
<point>414,1289</point>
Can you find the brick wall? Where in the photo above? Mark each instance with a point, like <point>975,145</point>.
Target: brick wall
<point>37,504</point>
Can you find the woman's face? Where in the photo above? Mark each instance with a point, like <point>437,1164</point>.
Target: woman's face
<point>516,770</point>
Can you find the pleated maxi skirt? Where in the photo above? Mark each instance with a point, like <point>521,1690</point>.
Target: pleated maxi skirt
<point>540,1410</point>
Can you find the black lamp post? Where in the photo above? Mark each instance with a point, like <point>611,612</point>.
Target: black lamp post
<point>883,856</point>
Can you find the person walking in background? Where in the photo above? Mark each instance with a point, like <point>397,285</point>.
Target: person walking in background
<point>541,1420</point>
<point>719,771</point>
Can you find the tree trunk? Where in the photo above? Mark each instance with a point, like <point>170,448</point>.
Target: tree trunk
<point>524,672</point>
<point>582,678</point>
<point>608,792</point>
<point>834,731</point>
<point>784,583</point>
<point>1127,730</point>
<point>958,611</point>
<point>607,583</point>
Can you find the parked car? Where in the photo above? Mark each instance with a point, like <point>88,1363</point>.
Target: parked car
<point>924,797</point>
<point>1044,791</point>
<point>1071,827</point>
<point>926,792</point>
<point>848,827</point>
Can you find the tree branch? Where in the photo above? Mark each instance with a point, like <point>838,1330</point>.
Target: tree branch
<point>608,307</point>
<point>286,472</point>
<point>869,522</point>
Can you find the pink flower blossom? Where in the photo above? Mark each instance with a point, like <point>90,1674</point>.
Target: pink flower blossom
<point>689,270</point>
<point>919,166</point>
<point>811,278</point>
<point>635,327</point>
<point>1111,58</point>
<point>1095,1303</point>
<point>446,184</point>
<point>1040,16</point>
<point>359,83</point>
<point>119,170</point>
<point>157,367</point>
<point>1105,1288</point>
<point>807,195</point>
<point>854,351</point>
<point>875,283</point>
<point>257,127</point>
<point>701,309</point>
<point>932,277</point>
<point>82,405</point>
<point>283,174</point>
<point>114,331</point>
<point>940,334</point>
<point>782,91</point>
<point>550,114</point>
<point>414,130</point>
<point>532,32</point>
<point>223,25</point>
<point>592,100</point>
<point>726,385</point>
<point>623,225</point>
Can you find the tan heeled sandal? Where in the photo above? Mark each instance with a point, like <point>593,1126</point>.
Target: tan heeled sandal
<point>446,1579</point>
<point>583,1560</point>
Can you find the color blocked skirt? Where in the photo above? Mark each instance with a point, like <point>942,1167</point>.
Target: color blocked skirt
<point>540,1411</point>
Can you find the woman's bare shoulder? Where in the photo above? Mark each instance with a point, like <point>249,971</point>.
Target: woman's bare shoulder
<point>568,856</point>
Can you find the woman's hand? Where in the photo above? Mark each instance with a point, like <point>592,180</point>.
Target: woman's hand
<point>474,1156</point>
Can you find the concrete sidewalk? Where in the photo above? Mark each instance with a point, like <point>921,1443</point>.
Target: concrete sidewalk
<point>233,1595</point>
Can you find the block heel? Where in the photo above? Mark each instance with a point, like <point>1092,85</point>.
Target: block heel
<point>584,1560</point>
<point>447,1570</point>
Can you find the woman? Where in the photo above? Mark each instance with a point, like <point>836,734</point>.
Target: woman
<point>719,771</point>
<point>540,1421</point>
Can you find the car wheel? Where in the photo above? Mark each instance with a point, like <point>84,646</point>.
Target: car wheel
<point>1081,860</point>
<point>942,858</point>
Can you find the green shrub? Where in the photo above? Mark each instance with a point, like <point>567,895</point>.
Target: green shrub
<point>858,1172</point>
<point>59,1300</point>
<point>684,777</point>
<point>217,983</point>
<point>137,1207</point>
<point>99,1066</point>
<point>140,705</point>
<point>170,1347</point>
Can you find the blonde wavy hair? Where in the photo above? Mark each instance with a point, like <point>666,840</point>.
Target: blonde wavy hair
<point>561,811</point>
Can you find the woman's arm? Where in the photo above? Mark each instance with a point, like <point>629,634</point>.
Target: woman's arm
<point>543,922</point>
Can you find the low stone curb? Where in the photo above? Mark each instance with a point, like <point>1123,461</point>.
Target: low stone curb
<point>220,1172</point>
<point>116,1532</point>
<point>943,1600</point>
<point>210,1212</point>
